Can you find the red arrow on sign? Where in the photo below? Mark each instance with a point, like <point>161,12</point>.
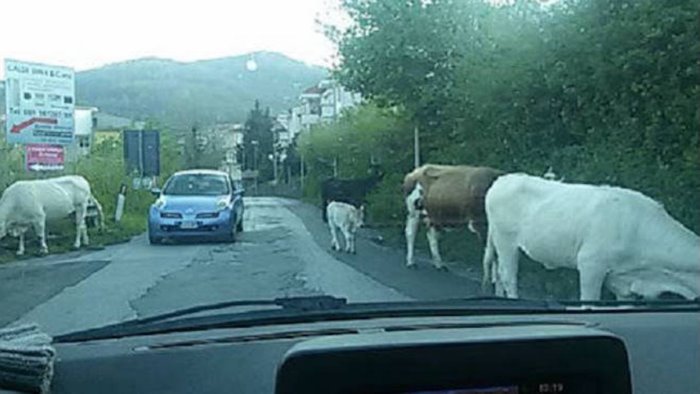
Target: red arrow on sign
<point>18,127</point>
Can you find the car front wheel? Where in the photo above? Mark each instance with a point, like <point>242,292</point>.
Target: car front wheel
<point>153,240</point>
<point>231,236</point>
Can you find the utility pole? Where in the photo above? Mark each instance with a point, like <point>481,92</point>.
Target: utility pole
<point>335,120</point>
<point>301,171</point>
<point>255,163</point>
<point>416,147</point>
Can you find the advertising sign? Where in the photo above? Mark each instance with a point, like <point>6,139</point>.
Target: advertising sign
<point>39,102</point>
<point>44,157</point>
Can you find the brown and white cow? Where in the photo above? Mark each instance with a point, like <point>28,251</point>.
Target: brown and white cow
<point>445,196</point>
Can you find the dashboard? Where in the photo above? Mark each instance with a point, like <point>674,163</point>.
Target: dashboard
<point>601,352</point>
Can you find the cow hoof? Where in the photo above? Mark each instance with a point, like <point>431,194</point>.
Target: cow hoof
<point>411,266</point>
<point>20,253</point>
<point>441,268</point>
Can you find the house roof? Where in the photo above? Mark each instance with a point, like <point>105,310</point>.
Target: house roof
<point>314,90</point>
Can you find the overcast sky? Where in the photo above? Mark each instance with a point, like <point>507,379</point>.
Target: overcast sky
<point>90,33</point>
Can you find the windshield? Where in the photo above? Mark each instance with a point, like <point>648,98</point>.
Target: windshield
<point>380,151</point>
<point>196,185</point>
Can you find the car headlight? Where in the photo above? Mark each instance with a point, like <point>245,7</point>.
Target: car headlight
<point>171,215</point>
<point>221,205</point>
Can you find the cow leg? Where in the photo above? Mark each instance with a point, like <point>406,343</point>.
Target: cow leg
<point>20,248</point>
<point>591,278</point>
<point>507,272</point>
<point>80,227</point>
<point>412,221</point>
<point>499,290</point>
<point>478,228</point>
<point>433,237</point>
<point>489,266</point>
<point>349,247</point>
<point>334,237</point>
<point>40,230</point>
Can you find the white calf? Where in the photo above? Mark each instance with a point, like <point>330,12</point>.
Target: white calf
<point>347,219</point>
<point>28,204</point>
<point>612,236</point>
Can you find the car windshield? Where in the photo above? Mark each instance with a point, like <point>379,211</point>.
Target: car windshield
<point>381,151</point>
<point>196,185</point>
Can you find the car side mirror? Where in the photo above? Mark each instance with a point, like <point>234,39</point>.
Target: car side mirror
<point>156,191</point>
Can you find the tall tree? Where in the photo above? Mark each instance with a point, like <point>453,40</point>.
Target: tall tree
<point>258,141</point>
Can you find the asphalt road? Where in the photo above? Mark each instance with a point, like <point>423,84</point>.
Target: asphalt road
<point>283,251</point>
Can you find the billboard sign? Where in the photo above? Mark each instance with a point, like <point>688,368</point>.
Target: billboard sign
<point>39,103</point>
<point>41,157</point>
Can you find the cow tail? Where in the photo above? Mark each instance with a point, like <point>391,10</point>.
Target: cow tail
<point>100,213</point>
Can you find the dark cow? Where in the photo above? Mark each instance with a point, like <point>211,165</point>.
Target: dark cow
<point>350,191</point>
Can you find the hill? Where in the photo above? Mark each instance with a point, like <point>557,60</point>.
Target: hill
<point>207,91</point>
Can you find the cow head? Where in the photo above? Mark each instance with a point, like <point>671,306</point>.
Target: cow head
<point>414,199</point>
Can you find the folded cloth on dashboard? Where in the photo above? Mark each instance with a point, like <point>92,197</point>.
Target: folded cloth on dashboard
<point>26,359</point>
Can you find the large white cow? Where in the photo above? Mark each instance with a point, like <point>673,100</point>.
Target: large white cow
<point>612,236</point>
<point>26,204</point>
<point>347,219</point>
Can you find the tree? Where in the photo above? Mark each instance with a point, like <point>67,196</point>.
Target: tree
<point>603,90</point>
<point>258,141</point>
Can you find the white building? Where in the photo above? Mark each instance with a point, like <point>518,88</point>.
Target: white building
<point>85,123</point>
<point>229,138</point>
<point>324,102</point>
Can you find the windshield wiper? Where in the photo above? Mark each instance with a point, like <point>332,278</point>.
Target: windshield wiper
<point>305,309</point>
<point>314,303</point>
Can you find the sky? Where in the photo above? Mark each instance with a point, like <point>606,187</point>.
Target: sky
<point>85,34</point>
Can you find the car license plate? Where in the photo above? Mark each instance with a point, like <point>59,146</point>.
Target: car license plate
<point>188,224</point>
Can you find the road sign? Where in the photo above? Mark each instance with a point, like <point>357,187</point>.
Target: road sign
<point>142,152</point>
<point>42,157</point>
<point>39,102</point>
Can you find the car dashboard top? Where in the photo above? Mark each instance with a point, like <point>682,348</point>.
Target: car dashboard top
<point>594,351</point>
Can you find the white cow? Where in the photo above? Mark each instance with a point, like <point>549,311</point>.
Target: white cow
<point>26,204</point>
<point>612,236</point>
<point>347,219</point>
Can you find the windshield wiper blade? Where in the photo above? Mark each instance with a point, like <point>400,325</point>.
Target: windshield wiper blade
<point>310,303</point>
<point>305,309</point>
<point>295,304</point>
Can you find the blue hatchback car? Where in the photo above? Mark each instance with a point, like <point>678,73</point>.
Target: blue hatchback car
<point>197,203</point>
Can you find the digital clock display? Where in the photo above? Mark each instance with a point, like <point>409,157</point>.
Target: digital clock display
<point>531,388</point>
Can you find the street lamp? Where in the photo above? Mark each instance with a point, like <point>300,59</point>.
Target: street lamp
<point>255,163</point>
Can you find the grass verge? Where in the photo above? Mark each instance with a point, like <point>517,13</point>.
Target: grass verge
<point>62,236</point>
